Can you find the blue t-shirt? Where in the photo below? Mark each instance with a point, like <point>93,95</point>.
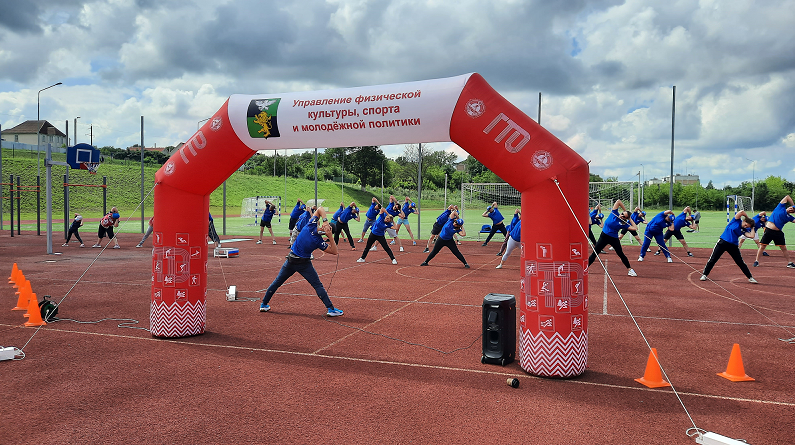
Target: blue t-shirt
<point>441,219</point>
<point>495,215</point>
<point>371,212</point>
<point>302,220</point>
<point>733,231</point>
<point>380,225</point>
<point>296,213</point>
<point>657,224</point>
<point>448,230</point>
<point>593,214</point>
<point>308,240</point>
<point>516,231</point>
<point>337,213</point>
<point>613,224</point>
<point>780,216</point>
<point>514,220</point>
<point>393,208</point>
<point>408,209</point>
<point>681,221</point>
<point>348,214</point>
<point>637,217</point>
<point>267,214</point>
<point>758,224</point>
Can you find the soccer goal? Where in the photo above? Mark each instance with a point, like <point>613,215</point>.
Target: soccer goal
<point>735,203</point>
<point>478,196</point>
<point>254,207</point>
<point>606,194</point>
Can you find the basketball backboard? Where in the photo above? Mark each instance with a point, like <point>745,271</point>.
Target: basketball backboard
<point>78,155</point>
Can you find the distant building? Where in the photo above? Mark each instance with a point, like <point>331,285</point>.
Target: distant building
<point>165,150</point>
<point>35,133</point>
<point>678,179</point>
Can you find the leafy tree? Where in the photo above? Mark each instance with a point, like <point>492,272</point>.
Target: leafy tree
<point>365,163</point>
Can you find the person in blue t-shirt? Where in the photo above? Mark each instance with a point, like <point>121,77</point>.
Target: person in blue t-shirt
<point>774,229</point>
<point>333,220</point>
<point>300,260</point>
<point>727,242</point>
<point>377,231</point>
<point>497,224</point>
<point>302,221</point>
<point>348,213</point>
<point>298,210</point>
<point>613,224</point>
<point>369,217</point>
<point>265,221</point>
<point>453,225</point>
<point>517,216</point>
<point>675,229</point>
<point>408,208</point>
<point>438,224</point>
<point>595,219</point>
<point>654,229</point>
<point>393,208</point>
<point>759,224</point>
<point>638,218</point>
<point>514,238</point>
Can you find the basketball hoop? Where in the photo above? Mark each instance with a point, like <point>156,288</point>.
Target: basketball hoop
<point>92,167</point>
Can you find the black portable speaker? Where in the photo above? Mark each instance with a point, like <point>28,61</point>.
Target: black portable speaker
<point>499,329</point>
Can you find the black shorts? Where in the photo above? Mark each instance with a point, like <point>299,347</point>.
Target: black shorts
<point>625,230</point>
<point>436,229</point>
<point>263,223</point>
<point>103,231</point>
<point>675,233</point>
<point>776,236</point>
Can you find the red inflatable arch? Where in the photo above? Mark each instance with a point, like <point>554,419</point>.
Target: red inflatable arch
<point>464,109</point>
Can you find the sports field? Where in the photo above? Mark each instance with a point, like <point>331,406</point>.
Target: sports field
<point>401,366</point>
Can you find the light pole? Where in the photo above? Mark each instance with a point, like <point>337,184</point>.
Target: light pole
<point>38,132</point>
<point>753,182</point>
<point>75,129</point>
<point>643,185</point>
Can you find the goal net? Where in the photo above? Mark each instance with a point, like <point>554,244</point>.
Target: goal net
<point>606,194</point>
<point>475,197</point>
<point>254,207</point>
<point>735,203</point>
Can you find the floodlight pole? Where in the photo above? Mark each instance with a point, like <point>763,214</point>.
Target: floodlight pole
<point>671,184</point>
<point>419,185</point>
<point>38,131</point>
<point>142,175</point>
<point>753,183</point>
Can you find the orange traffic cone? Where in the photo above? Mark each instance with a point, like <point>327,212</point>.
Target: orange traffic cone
<point>735,371</point>
<point>653,375</point>
<point>13,276</point>
<point>34,312</point>
<point>20,279</point>
<point>24,296</point>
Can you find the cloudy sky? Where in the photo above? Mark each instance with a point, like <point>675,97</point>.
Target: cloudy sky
<point>605,68</point>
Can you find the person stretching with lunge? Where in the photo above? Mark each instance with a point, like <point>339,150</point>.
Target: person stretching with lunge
<point>654,229</point>
<point>675,229</point>
<point>741,224</point>
<point>377,231</point>
<point>774,229</point>
<point>437,226</point>
<point>615,221</point>
<point>452,226</point>
<point>497,224</point>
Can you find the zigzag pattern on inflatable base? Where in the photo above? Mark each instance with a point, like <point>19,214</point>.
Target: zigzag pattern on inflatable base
<point>177,320</point>
<point>553,357</point>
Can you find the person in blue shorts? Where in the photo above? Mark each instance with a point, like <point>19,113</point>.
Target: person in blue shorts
<point>408,208</point>
<point>265,221</point>
<point>377,231</point>
<point>298,210</point>
<point>335,217</point>
<point>514,238</point>
<point>437,226</point>
<point>497,224</point>
<point>654,229</point>
<point>675,229</point>
<point>453,225</point>
<point>300,260</point>
<point>727,242</point>
<point>348,213</point>
<point>370,216</point>
<point>774,229</point>
<point>613,224</point>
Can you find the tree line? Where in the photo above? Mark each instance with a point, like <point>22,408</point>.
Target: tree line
<point>766,194</point>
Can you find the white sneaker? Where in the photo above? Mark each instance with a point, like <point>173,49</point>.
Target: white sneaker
<point>632,273</point>
<point>139,245</point>
<point>65,245</point>
<point>394,261</point>
<point>359,241</point>
<point>360,260</point>
<point>373,249</point>
<point>311,257</point>
<point>391,243</point>
<point>499,266</point>
<point>752,280</point>
<point>82,245</point>
<point>401,248</point>
<point>259,241</point>
<point>703,278</point>
<point>117,246</point>
<point>648,250</point>
<point>274,243</point>
<point>611,248</point>
<point>670,260</point>
<point>640,259</point>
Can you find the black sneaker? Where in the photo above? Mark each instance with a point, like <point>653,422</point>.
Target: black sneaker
<point>765,254</point>
<point>690,231</point>
<point>756,263</point>
<point>426,250</point>
<point>424,264</point>
<point>689,254</point>
<point>656,253</point>
<point>466,266</point>
<point>483,245</point>
<point>791,265</point>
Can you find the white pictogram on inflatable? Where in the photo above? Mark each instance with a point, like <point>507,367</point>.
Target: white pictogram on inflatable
<point>542,160</point>
<point>475,108</point>
<point>169,169</point>
<point>215,125</point>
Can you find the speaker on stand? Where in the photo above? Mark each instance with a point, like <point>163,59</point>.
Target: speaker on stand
<point>499,329</point>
